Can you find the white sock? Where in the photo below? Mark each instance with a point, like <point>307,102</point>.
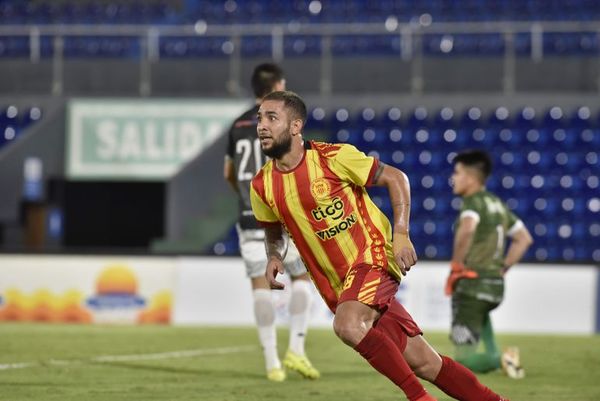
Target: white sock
<point>299,314</point>
<point>264,312</point>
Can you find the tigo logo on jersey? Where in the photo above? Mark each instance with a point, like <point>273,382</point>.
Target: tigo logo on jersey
<point>335,211</point>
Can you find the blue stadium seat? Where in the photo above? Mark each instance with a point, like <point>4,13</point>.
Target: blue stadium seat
<point>340,118</point>
<point>316,119</point>
<point>366,118</point>
<point>581,118</point>
<point>102,47</point>
<point>302,45</point>
<point>14,46</point>
<point>371,138</point>
<point>391,118</point>
<point>29,116</point>
<point>525,119</point>
<point>181,47</point>
<point>445,118</point>
<point>256,46</point>
<point>418,118</point>
<point>554,118</point>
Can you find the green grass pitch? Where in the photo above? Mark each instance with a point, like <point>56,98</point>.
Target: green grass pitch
<point>108,363</point>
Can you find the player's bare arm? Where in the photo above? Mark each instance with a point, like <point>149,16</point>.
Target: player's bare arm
<point>229,173</point>
<point>399,190</point>
<point>276,248</point>
<point>521,241</point>
<point>464,238</point>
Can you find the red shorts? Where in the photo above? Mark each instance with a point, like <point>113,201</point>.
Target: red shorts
<point>375,287</point>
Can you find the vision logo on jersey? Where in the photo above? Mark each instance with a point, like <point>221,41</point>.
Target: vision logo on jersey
<point>335,211</point>
<point>320,188</point>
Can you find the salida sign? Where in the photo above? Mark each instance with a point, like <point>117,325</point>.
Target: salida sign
<point>141,139</point>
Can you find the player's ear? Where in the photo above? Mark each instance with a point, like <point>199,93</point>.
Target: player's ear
<point>297,126</point>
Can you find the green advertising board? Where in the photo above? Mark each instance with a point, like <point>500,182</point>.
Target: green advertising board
<point>142,139</point>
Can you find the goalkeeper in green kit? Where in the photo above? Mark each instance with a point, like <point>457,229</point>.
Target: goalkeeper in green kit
<point>479,263</point>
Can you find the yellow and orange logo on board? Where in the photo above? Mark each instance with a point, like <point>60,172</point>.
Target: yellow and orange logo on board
<point>117,288</point>
<point>44,306</point>
<point>116,279</point>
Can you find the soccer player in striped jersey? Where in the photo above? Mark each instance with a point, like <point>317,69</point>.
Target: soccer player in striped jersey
<point>479,263</point>
<point>243,159</point>
<point>356,258</point>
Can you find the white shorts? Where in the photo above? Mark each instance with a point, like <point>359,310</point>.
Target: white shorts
<point>252,248</point>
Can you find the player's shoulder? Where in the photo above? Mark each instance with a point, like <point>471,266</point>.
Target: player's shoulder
<point>475,201</point>
<point>492,196</point>
<point>246,119</point>
<point>331,150</point>
<point>260,175</point>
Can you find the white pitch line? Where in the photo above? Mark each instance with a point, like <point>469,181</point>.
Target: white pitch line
<point>173,354</point>
<point>18,365</point>
<point>133,357</point>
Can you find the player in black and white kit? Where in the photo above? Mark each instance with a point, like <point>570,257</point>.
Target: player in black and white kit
<point>243,159</point>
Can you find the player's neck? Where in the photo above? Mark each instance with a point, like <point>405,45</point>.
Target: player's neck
<point>291,159</point>
<point>473,190</point>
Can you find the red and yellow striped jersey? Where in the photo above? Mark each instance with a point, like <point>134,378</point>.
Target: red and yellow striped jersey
<point>324,206</point>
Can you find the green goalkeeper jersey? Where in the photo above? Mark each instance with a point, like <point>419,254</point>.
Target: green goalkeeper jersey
<point>486,254</point>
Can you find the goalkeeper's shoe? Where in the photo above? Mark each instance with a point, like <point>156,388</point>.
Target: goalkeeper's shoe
<point>300,364</point>
<point>511,364</point>
<point>276,375</point>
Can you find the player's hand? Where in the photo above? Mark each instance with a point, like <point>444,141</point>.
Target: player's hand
<point>404,252</point>
<point>274,267</point>
<point>457,271</point>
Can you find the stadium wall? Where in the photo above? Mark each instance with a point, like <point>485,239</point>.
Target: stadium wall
<point>215,291</point>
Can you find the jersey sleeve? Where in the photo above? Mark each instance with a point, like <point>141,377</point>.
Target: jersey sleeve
<point>513,222</point>
<point>262,211</point>
<point>471,208</point>
<point>352,165</point>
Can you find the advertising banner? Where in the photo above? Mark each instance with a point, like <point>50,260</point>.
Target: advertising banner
<point>141,139</point>
<point>79,289</point>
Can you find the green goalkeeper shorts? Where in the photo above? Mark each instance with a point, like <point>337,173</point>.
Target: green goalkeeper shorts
<point>468,318</point>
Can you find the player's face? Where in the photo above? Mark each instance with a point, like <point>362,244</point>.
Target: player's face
<point>460,179</point>
<point>274,129</point>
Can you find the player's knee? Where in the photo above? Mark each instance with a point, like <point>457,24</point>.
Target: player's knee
<point>348,330</point>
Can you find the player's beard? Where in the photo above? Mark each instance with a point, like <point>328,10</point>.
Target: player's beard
<point>280,147</point>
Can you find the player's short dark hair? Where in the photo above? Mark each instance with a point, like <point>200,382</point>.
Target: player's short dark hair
<point>476,159</point>
<point>264,78</point>
<point>291,101</point>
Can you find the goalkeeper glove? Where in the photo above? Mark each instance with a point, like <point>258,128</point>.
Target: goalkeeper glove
<point>457,271</point>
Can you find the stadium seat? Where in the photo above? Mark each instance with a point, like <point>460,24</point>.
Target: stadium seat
<point>391,117</point>
<point>305,45</point>
<point>418,118</point>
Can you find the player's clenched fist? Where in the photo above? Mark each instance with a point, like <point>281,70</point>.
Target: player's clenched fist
<point>274,267</point>
<point>404,252</point>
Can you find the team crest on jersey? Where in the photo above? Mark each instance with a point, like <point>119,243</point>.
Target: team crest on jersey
<point>320,188</point>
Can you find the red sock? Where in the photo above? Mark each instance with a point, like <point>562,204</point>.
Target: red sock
<point>460,383</point>
<point>380,351</point>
